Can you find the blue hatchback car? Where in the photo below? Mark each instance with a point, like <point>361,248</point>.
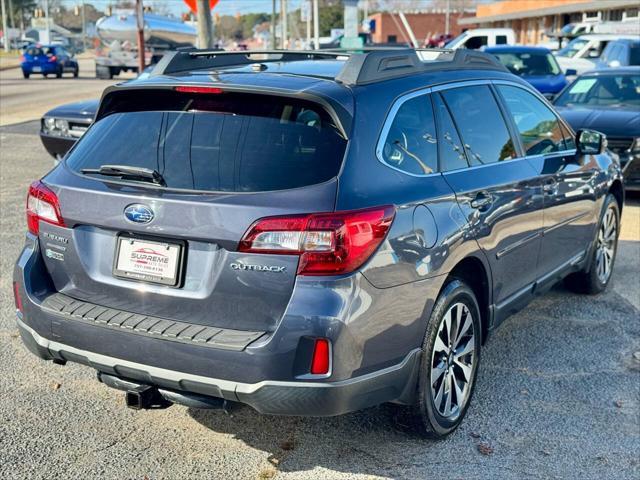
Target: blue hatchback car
<point>48,60</point>
<point>536,65</point>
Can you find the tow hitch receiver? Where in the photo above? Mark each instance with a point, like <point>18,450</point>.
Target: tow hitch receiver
<point>145,397</point>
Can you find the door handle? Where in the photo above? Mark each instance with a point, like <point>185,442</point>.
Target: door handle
<point>482,199</point>
<point>550,186</point>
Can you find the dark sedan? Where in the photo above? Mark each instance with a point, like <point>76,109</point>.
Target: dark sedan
<point>608,101</point>
<point>62,126</point>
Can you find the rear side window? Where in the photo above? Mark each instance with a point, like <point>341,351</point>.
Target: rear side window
<point>475,43</point>
<point>452,156</point>
<point>410,144</point>
<point>634,55</point>
<point>501,40</point>
<point>225,142</point>
<point>537,125</point>
<point>480,124</point>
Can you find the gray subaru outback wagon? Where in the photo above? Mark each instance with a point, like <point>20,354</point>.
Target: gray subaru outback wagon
<point>311,233</point>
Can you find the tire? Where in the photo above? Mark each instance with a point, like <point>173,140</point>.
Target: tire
<point>25,75</point>
<point>435,415</point>
<point>59,72</point>
<point>103,73</point>
<point>76,72</point>
<point>597,276</point>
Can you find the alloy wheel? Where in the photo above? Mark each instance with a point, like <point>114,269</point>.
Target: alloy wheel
<point>606,244</point>
<point>452,361</point>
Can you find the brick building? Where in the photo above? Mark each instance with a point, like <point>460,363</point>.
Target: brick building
<point>530,19</point>
<point>389,28</point>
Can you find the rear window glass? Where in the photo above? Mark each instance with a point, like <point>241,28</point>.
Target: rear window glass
<point>224,142</point>
<point>634,55</point>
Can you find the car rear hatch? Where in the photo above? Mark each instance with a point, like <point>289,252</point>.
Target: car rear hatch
<point>166,244</point>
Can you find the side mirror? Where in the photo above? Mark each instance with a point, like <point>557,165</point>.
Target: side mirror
<point>571,72</point>
<point>590,142</point>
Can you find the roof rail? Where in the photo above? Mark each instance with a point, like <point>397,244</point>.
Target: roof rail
<point>362,66</point>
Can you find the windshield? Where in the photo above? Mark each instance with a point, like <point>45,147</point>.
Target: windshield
<point>225,142</point>
<point>608,90</point>
<point>457,41</point>
<point>573,47</point>
<point>529,63</point>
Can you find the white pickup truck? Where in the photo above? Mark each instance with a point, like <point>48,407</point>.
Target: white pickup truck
<point>478,38</point>
<point>582,53</point>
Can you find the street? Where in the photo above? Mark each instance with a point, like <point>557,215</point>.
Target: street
<point>557,397</point>
<point>23,100</point>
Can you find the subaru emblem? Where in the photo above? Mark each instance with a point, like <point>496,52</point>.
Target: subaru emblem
<point>138,213</point>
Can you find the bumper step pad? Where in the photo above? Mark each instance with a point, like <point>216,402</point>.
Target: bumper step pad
<point>99,316</point>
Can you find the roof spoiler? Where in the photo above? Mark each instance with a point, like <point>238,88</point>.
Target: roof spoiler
<point>361,66</point>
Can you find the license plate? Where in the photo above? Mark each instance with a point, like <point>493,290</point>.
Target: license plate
<point>36,69</point>
<point>148,260</point>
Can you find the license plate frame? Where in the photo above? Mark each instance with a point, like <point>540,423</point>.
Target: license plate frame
<point>175,250</point>
<point>36,69</point>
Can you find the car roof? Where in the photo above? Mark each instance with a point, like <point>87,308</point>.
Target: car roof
<point>629,70</point>
<point>329,78</point>
<point>488,30</point>
<point>607,36</point>
<point>626,41</point>
<point>516,48</point>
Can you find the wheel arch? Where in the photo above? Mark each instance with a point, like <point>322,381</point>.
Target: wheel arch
<point>617,191</point>
<point>472,271</point>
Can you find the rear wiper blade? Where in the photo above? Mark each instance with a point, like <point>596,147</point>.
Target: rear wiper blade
<point>128,172</point>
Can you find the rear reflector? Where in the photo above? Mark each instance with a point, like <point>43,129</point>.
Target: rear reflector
<point>320,361</point>
<point>16,296</point>
<point>191,89</point>
<point>328,243</point>
<point>42,204</point>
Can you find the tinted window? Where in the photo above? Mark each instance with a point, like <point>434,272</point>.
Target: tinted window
<point>621,91</point>
<point>501,40</point>
<point>34,51</point>
<point>569,140</point>
<point>227,143</point>
<point>538,126</point>
<point>529,63</point>
<point>452,156</point>
<point>411,145</point>
<point>634,55</point>
<point>474,43</point>
<point>480,123</point>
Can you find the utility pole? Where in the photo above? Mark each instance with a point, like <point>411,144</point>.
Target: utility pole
<point>140,22</point>
<point>5,30</point>
<point>205,30</point>
<point>285,24</point>
<point>84,28</point>
<point>272,46</point>
<point>306,9</point>
<point>446,22</point>
<point>316,26</point>
<point>46,16</point>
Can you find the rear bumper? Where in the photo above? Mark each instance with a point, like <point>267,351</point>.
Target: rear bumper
<point>268,397</point>
<point>372,363</point>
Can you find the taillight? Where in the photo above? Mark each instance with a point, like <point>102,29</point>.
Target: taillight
<point>321,359</point>
<point>194,89</point>
<point>53,58</point>
<point>16,296</point>
<point>21,59</point>
<point>42,204</point>
<point>328,243</point>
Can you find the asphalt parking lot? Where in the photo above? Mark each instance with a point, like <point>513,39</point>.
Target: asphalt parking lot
<point>558,396</point>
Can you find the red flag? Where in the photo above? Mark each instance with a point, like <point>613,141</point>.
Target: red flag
<point>193,6</point>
